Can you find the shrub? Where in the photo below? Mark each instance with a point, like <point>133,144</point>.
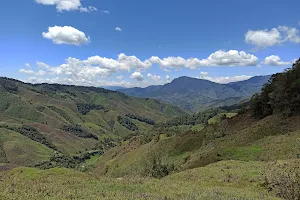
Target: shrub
<point>85,108</point>
<point>156,166</point>
<point>33,134</point>
<point>141,118</point>
<point>9,85</point>
<point>284,180</point>
<point>106,144</point>
<point>79,131</point>
<point>127,123</point>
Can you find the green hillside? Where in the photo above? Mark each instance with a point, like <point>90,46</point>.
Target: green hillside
<point>69,120</point>
<point>122,147</point>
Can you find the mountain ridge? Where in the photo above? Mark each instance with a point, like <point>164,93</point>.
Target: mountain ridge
<point>194,94</point>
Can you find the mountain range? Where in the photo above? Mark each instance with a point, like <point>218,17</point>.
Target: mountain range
<point>195,95</point>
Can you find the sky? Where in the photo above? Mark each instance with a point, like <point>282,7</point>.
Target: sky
<point>141,43</point>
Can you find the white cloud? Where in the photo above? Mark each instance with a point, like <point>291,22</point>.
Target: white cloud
<point>105,11</point>
<point>28,65</point>
<point>137,76</point>
<point>290,34</point>
<point>168,78</point>
<point>154,77</point>
<point>218,58</point>
<point>75,81</point>
<point>120,77</point>
<point>67,5</point>
<point>223,79</point>
<point>118,29</point>
<point>274,61</point>
<point>123,63</point>
<point>88,9</point>
<point>266,38</point>
<point>31,72</point>
<point>203,74</point>
<point>92,68</point>
<point>66,35</point>
<point>27,71</point>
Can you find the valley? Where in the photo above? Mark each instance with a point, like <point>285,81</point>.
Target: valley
<point>122,147</point>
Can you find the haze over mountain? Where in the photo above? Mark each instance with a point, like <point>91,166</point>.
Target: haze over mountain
<point>194,94</point>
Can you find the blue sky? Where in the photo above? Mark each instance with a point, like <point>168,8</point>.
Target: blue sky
<point>140,43</point>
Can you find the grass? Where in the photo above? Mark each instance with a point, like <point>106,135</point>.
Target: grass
<point>21,150</point>
<point>218,118</point>
<point>223,180</point>
<point>50,107</point>
<point>270,139</point>
<point>244,153</point>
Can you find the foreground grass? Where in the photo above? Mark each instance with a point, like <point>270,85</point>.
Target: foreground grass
<point>222,180</point>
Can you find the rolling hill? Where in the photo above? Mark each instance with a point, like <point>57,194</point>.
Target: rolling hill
<point>41,119</point>
<point>245,151</point>
<point>195,95</point>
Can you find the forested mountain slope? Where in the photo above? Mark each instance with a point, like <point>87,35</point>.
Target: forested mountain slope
<point>195,94</point>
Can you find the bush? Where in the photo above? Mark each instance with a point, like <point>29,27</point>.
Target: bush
<point>284,180</point>
<point>79,131</point>
<point>199,118</point>
<point>85,108</point>
<point>127,123</point>
<point>157,167</point>
<point>9,85</point>
<point>141,118</point>
<point>106,144</point>
<point>33,134</point>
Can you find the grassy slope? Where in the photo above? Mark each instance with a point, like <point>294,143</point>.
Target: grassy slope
<point>217,118</point>
<point>240,138</point>
<point>222,180</point>
<point>22,151</point>
<point>49,107</point>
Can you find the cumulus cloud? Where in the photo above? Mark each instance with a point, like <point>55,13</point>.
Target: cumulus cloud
<point>218,58</point>
<point>92,68</point>
<point>66,35</point>
<point>118,29</point>
<point>274,60</point>
<point>266,38</point>
<point>223,79</point>
<point>154,77</point>
<point>137,76</point>
<point>67,5</point>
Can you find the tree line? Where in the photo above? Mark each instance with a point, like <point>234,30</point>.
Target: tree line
<point>127,123</point>
<point>141,118</point>
<point>280,95</point>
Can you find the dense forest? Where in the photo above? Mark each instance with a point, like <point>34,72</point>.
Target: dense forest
<point>280,95</point>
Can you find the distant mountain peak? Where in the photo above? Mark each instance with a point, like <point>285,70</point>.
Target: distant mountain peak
<point>195,94</point>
